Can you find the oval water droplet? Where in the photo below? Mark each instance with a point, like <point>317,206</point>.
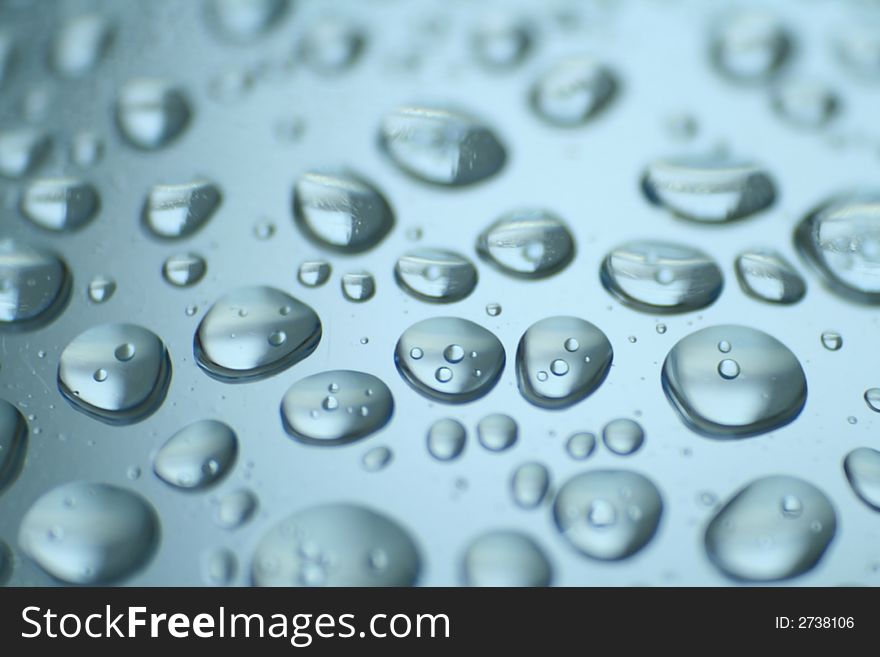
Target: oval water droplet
<point>341,211</point>
<point>184,269</point>
<point>831,340</point>
<point>198,455</point>
<point>762,389</point>
<point>872,399</point>
<point>501,40</point>
<point>497,432</point>
<point>245,20</point>
<point>862,468</point>
<point>805,104</point>
<point>151,113</point>
<point>472,377</point>
<point>573,91</point>
<point>234,340</point>
<point>100,289</point>
<point>581,445</point>
<point>332,44</point>
<point>34,285</point>
<point>180,210</point>
<point>750,46</point>
<point>506,558</point>
<point>608,514</point>
<point>219,567</point>
<point>527,243</point>
<point>117,391</point>
<point>314,273</point>
<point>336,407</point>
<point>753,537</point>
<point>529,484</point>
<point>13,444</point>
<point>80,45</point>
<point>358,286</point>
<point>336,545</point>
<point>446,439</point>
<point>547,341</point>
<point>765,275</point>
<point>377,458</point>
<point>709,188</point>
<point>441,146</point>
<point>234,509</point>
<point>22,151</point>
<point>60,204</point>
<point>623,436</point>
<point>436,275</point>
<point>106,535</point>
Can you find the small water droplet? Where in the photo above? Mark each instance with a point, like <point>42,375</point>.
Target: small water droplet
<point>728,368</point>
<point>872,399</point>
<point>573,91</point>
<point>198,455</point>
<point>529,484</point>
<point>314,273</point>
<point>34,285</point>
<point>506,558</point>
<point>750,46</point>
<point>22,151</point>
<point>332,45</point>
<point>358,286</point>
<point>501,40</point>
<point>765,275</point>
<point>184,269</point>
<point>831,340</point>
<point>377,458</point>
<point>151,113</point>
<point>80,44</point>
<point>436,275</point>
<point>623,436</point>
<point>180,210</point>
<point>862,468</point>
<point>580,445</point>
<point>527,243</point>
<point>497,432</point>
<point>60,204</point>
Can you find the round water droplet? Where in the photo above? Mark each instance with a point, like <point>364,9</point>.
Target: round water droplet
<point>765,275</point>
<point>767,388</point>
<point>60,204</point>
<point>831,340</point>
<point>436,275</point>
<point>493,309</point>
<point>805,104</point>
<point>547,341</point>
<point>497,432</point>
<point>581,445</point>
<point>708,188</point>
<point>750,46</point>
<point>34,285</point>
<point>341,211</point>
<point>754,538</point>
<point>332,45</point>
<point>872,399</point>
<point>573,92</point>
<point>661,277</point>
<point>377,458</point>
<point>623,436</point>
<point>219,567</point>
<point>608,514</point>
<point>862,468</point>
<point>124,391</point>
<point>100,289</point>
<point>336,545</point>
<point>529,484</point>
<point>13,444</point>
<point>441,146</point>
<point>106,535</point>
<point>470,378</point>
<point>22,151</point>
<point>506,558</point>
<point>501,40</point>
<point>314,273</point>
<point>446,439</point>
<point>184,269</point>
<point>198,455</point>
<point>233,343</point>
<point>234,509</point>
<point>360,405</point>
<point>841,239</point>
<point>178,211</point>
<point>358,286</point>
<point>264,230</point>
<point>245,20</point>
<point>151,113</point>
<point>527,243</point>
<point>80,45</point>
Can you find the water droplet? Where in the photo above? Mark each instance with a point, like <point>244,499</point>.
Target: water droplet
<point>872,399</point>
<point>831,340</point>
<point>769,392</point>
<point>314,273</point>
<point>13,444</point>
<point>608,514</point>
<point>377,458</point>
<point>80,45</point>
<point>501,40</point>
<point>245,20</point>
<point>862,468</point>
<point>623,436</point>
<point>858,47</point>
<point>312,417</point>
<point>7,559</point>
<point>151,113</point>
<point>660,328</point>
<point>86,149</point>
<point>493,309</point>
<point>765,275</point>
<point>441,146</point>
<point>59,204</point>
<point>527,243</point>
<point>529,484</point>
<point>724,347</point>
<point>184,269</point>
<point>655,276</point>
<point>852,419</point>
<point>497,432</point>
<point>100,289</point>
<point>841,239</point>
<point>234,509</point>
<point>341,211</point>
<point>22,151</point>
<point>34,285</point>
<point>219,567</point>
<point>127,390</point>
<point>431,337</point>
<point>580,445</point>
<point>198,455</point>
<point>235,347</point>
<point>446,439</point>
<point>708,188</point>
<point>127,537</point>
<point>348,537</point>
<point>178,211</point>
<point>750,46</point>
<point>754,538</point>
<point>332,45</point>
<point>805,104</point>
<point>545,342</point>
<point>574,91</point>
<point>436,275</point>
<point>358,286</point>
<point>506,558</point>
<point>264,230</point>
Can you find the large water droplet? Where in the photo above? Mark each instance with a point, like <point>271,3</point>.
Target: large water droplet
<point>446,439</point>
<point>527,243</point>
<point>765,275</point>
<point>34,285</point>
<point>198,455</point>
<point>336,545</point>
<point>336,407</point>
<point>234,509</point>
<point>341,211</point>
<point>573,91</point>
<point>117,373</point>
<point>529,484</point>
<point>60,204</point>
<point>436,275</point>
<point>245,20</point>
<point>805,104</point>
<point>358,286</point>
<point>80,45</point>
<point>608,514</point>
<point>184,269</point>
<point>441,146</point>
<point>497,432</point>
<point>506,558</point>
<point>332,44</point>
<point>661,277</point>
<point>255,332</point>
<point>708,188</point>
<point>862,468</point>
<point>841,239</point>
<point>763,389</point>
<point>623,436</point>
<point>177,211</point>
<point>757,537</point>
<point>22,151</point>
<point>579,344</point>
<point>501,40</point>
<point>13,443</point>
<point>433,375</point>
<point>85,533</point>
<point>151,113</point>
<point>750,46</point>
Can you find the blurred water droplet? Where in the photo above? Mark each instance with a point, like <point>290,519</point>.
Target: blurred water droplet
<point>358,286</point>
<point>100,289</point>
<point>580,445</point>
<point>529,484</point>
<point>59,204</point>
<point>750,46</point>
<point>86,149</point>
<point>22,151</point>
<point>858,47</point>
<point>805,104</point>
<point>178,211</point>
<point>234,509</point>
<point>332,45</point>
<point>436,275</point>
<point>765,275</point>
<point>34,285</point>
<point>831,340</point>
<point>661,328</point>
<point>184,269</point>
<point>527,243</point>
<point>314,273</point>
<point>377,458</point>
<point>198,455</point>
<point>623,436</point>
<point>245,20</point>
<point>506,558</point>
<point>13,445</point>
<point>501,40</point>
<point>80,45</point>
<point>497,432</point>
<point>219,567</point>
<point>446,439</point>
<point>852,419</point>
<point>573,91</point>
<point>151,113</point>
<point>862,468</point>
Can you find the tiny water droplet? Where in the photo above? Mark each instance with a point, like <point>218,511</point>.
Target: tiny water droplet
<point>184,269</point>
